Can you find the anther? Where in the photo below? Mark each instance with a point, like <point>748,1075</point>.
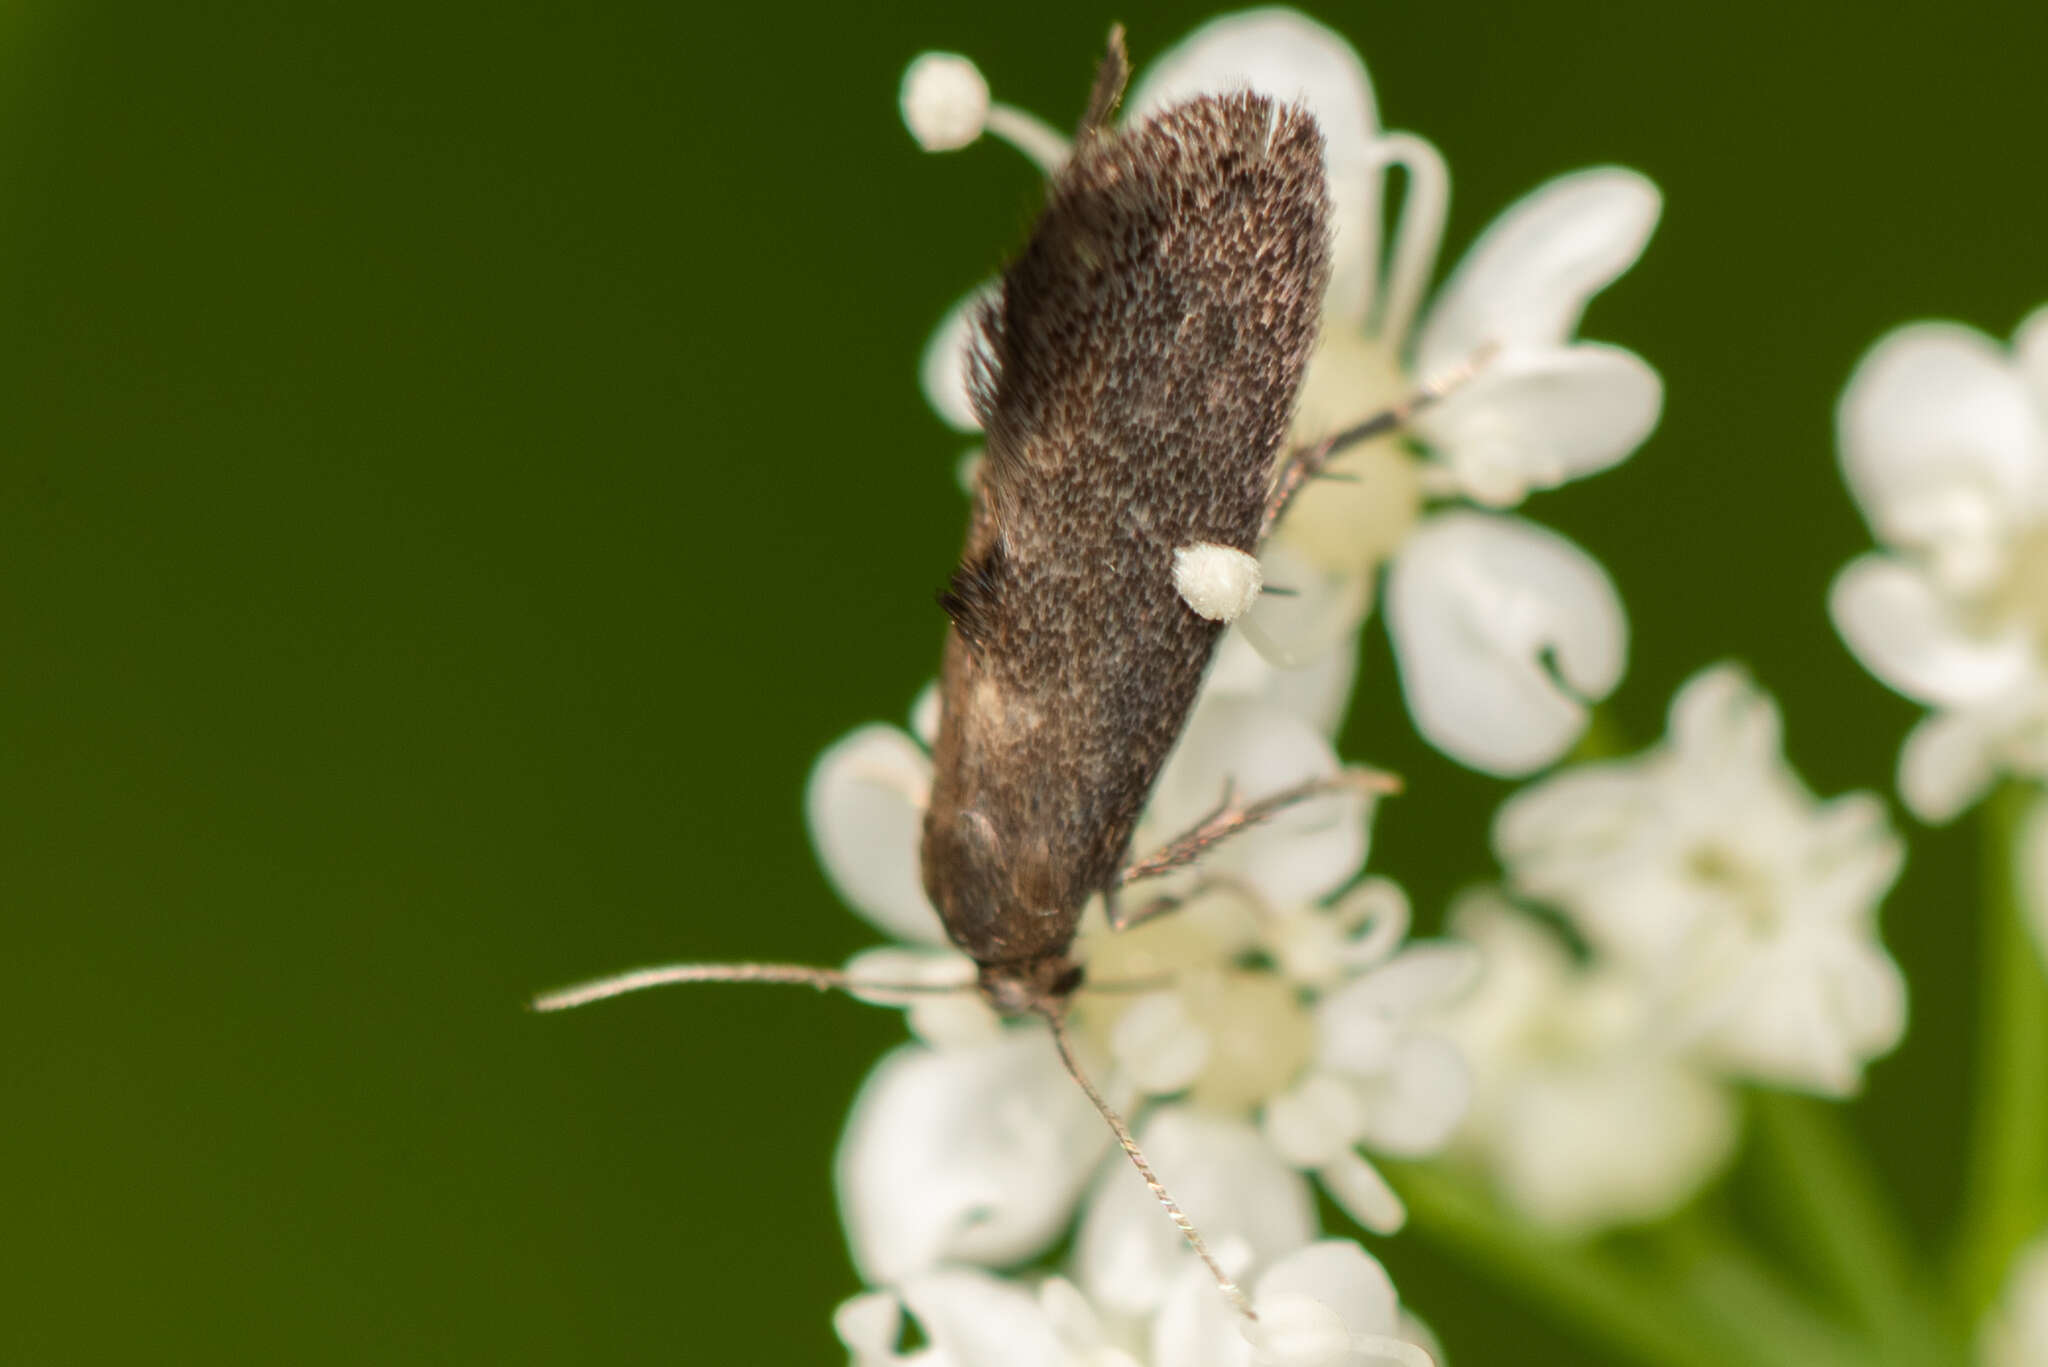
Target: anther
<point>946,105</point>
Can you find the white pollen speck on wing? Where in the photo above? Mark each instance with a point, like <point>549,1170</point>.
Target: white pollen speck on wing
<point>1218,582</point>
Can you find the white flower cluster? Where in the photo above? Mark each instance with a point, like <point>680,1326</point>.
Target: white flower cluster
<point>1729,926</point>
<point>1944,445</point>
<point>1270,1033</point>
<point>1273,1032</point>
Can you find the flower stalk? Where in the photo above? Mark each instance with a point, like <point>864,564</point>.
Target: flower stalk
<point>2005,1202</point>
<point>1833,1206</point>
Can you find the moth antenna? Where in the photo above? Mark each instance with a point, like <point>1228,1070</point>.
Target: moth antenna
<point>668,975</point>
<point>1064,1043</point>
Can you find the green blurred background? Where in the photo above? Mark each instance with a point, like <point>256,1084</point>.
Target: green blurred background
<point>463,462</point>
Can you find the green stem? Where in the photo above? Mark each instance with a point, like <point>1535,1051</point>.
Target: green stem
<point>1834,1205</point>
<point>1608,1302</point>
<point>2005,1201</point>
<point>1747,1303</point>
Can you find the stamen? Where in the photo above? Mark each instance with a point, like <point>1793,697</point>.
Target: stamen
<point>1129,1144</point>
<point>1031,135</point>
<point>944,100</point>
<point>1417,236</point>
<point>945,103</point>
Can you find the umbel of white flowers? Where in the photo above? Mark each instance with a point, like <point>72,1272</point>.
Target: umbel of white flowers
<point>1731,923</point>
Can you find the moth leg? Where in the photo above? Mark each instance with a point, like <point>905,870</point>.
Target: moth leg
<point>1231,817</point>
<point>1307,462</point>
<point>1165,903</point>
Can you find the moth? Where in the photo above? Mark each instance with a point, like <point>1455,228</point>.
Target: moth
<point>1135,376</point>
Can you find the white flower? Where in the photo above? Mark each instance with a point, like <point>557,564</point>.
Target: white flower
<point>1266,1000</point>
<point>1238,1192</point>
<point>2016,1332</point>
<point>1944,445</point>
<point>1329,1304</point>
<point>969,1318</point>
<point>1503,631</point>
<point>970,1151</point>
<point>1384,1078</point>
<point>1583,1115</point>
<point>1326,1304</point>
<point>973,1153</point>
<point>1749,906</point>
<point>1309,1018</point>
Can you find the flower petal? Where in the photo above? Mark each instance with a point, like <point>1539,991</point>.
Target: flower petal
<point>1313,1123</point>
<point>973,1319</point>
<point>1720,723</point>
<point>2030,351</point>
<point>1810,1016</point>
<point>972,1153</point>
<point>1158,1045</point>
<point>1532,420</point>
<point>1299,1331</point>
<point>865,805</point>
<point>1337,1273</point>
<point>1529,277</point>
<point>1902,629</point>
<point>869,1325</point>
<point>1196,1327</point>
<point>1503,632</point>
<point>942,371</point>
<point>1290,57</point>
<point>1414,1106</point>
<point>1310,611</point>
<point>1224,1175</point>
<point>1320,946</point>
<point>1424,975</point>
<point>1366,1197</point>
<point>1942,445</point>
<point>1581,1147</point>
<point>1318,692</point>
<point>925,712</point>
<point>1949,761</point>
<point>1086,1338</point>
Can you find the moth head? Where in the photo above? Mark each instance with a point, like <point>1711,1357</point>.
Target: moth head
<point>1032,987</point>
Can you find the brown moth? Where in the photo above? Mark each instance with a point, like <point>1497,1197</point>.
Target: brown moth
<point>1135,377</point>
